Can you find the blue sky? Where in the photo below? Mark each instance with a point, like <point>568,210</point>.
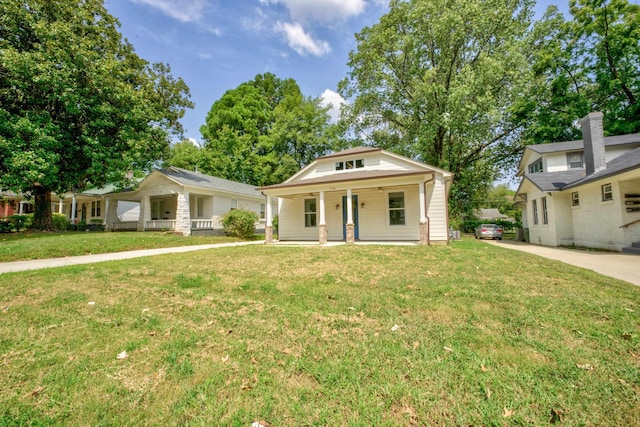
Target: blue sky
<point>215,45</point>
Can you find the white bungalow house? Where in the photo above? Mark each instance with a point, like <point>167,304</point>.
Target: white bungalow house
<point>583,193</point>
<point>362,193</point>
<point>175,199</point>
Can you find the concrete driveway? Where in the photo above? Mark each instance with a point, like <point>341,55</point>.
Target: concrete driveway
<point>620,266</point>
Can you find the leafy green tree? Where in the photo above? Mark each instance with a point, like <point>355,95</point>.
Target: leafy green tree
<point>78,107</point>
<point>264,130</point>
<point>588,63</point>
<point>434,79</point>
<point>185,154</point>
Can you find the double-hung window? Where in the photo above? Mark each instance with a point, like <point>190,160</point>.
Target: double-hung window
<point>545,214</point>
<point>396,209</point>
<point>574,160</point>
<point>263,208</point>
<point>534,204</point>
<point>310,212</point>
<point>607,193</point>
<point>575,199</point>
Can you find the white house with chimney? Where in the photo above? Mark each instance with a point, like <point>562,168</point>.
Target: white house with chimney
<point>584,192</point>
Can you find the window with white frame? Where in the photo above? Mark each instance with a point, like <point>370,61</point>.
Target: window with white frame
<point>310,212</point>
<point>199,207</point>
<point>396,208</point>
<point>607,193</point>
<point>574,160</point>
<point>545,215</point>
<point>536,166</point>
<point>534,204</point>
<point>263,208</point>
<point>95,208</point>
<point>575,199</point>
<point>349,164</point>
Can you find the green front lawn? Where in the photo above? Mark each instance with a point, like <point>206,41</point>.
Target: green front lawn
<point>468,334</point>
<point>38,245</point>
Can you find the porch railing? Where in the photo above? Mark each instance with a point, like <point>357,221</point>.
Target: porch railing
<point>161,224</point>
<point>124,225</point>
<point>201,223</point>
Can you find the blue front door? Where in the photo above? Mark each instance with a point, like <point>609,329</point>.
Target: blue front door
<point>354,205</point>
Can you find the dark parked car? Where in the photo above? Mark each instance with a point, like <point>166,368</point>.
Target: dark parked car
<point>491,231</point>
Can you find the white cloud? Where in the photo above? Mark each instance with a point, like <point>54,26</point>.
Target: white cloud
<point>321,10</point>
<point>182,10</point>
<point>301,41</point>
<point>334,99</point>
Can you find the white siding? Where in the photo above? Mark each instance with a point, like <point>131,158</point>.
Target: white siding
<point>556,162</point>
<point>437,209</point>
<point>541,234</point>
<point>372,161</point>
<point>373,217</point>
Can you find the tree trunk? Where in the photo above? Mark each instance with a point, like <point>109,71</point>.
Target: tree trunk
<point>42,215</point>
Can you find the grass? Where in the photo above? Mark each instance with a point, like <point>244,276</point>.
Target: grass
<point>38,245</point>
<point>469,334</point>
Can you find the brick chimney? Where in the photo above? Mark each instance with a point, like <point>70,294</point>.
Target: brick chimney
<point>593,136</point>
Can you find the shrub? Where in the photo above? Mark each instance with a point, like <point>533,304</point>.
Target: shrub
<point>22,221</point>
<point>239,223</point>
<point>60,221</point>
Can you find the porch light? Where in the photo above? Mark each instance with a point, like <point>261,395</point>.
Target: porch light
<point>337,206</point>
<point>362,205</point>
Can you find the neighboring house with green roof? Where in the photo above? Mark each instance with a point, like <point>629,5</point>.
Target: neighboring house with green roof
<point>184,201</point>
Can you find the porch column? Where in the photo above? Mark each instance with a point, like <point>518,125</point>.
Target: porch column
<point>21,208</point>
<point>74,207</point>
<point>350,226</point>
<point>60,203</point>
<point>6,208</point>
<point>322,226</point>
<point>110,213</point>
<point>183,214</point>
<point>145,213</point>
<point>424,221</point>
<point>268,227</point>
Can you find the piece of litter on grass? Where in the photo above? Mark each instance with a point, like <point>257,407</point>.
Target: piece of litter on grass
<point>395,328</point>
<point>628,309</point>
<point>448,349</point>
<point>506,413</point>
<point>92,303</point>
<point>144,310</point>
<point>122,355</point>
<point>225,359</point>
<point>351,308</point>
<point>261,423</point>
<point>586,367</point>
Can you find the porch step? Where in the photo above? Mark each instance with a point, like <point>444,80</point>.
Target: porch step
<point>633,249</point>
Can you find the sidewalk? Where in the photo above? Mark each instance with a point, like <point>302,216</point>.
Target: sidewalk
<point>620,266</point>
<point>37,264</point>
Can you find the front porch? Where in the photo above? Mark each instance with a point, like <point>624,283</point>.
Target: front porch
<point>181,213</point>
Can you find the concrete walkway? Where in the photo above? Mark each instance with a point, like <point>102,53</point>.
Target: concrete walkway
<point>37,264</point>
<point>620,266</point>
